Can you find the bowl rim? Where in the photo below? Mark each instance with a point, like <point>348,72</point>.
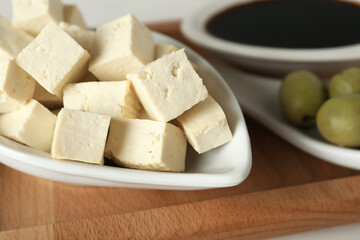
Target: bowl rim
<point>193,28</point>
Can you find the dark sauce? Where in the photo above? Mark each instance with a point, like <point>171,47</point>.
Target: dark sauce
<point>295,24</point>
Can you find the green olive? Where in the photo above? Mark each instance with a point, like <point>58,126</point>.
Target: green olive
<point>346,82</point>
<point>301,95</point>
<point>338,120</point>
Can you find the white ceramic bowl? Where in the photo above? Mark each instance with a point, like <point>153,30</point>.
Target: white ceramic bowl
<point>225,166</point>
<point>278,61</point>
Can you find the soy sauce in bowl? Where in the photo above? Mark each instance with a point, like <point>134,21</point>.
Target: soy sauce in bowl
<point>294,24</point>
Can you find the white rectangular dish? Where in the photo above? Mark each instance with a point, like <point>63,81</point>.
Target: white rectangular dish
<point>225,166</point>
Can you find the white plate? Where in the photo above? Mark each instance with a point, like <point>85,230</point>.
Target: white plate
<point>258,96</point>
<point>225,166</point>
<point>279,61</point>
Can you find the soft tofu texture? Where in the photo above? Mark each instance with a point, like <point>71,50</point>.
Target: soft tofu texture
<point>121,46</point>
<point>116,99</point>
<point>80,136</point>
<point>164,49</point>
<point>82,36</point>
<point>146,144</point>
<point>52,101</point>
<point>205,126</point>
<point>54,59</point>
<point>33,15</point>
<point>32,125</point>
<point>16,86</point>
<point>168,86</point>
<point>72,15</point>
<point>12,40</point>
<point>47,99</point>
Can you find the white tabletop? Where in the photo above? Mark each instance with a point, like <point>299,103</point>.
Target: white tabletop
<point>97,12</point>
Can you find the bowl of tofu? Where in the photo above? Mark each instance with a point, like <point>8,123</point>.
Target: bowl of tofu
<point>119,107</point>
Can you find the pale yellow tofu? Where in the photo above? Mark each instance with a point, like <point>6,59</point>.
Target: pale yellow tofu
<point>33,15</point>
<point>54,59</point>
<point>121,46</point>
<point>12,40</point>
<point>82,36</point>
<point>116,99</point>
<point>32,125</point>
<point>164,49</point>
<point>146,144</point>
<point>205,126</point>
<point>52,101</point>
<point>16,86</point>
<point>72,15</point>
<point>80,136</point>
<point>47,99</point>
<point>168,86</point>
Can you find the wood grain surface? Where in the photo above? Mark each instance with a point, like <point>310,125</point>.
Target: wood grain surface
<point>287,191</point>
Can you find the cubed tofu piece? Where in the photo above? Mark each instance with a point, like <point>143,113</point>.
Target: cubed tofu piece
<point>54,59</point>
<point>52,101</point>
<point>82,36</point>
<point>164,49</point>
<point>16,86</point>
<point>116,99</point>
<point>121,46</point>
<point>146,144</point>
<point>33,15</point>
<point>32,125</point>
<point>168,86</point>
<point>47,99</point>
<point>205,126</point>
<point>72,15</point>
<point>80,136</point>
<point>12,40</point>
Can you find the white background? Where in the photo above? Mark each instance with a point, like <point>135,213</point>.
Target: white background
<point>97,12</point>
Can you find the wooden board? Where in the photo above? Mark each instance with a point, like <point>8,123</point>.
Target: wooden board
<point>287,191</point>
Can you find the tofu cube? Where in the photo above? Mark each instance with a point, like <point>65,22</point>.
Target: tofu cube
<point>168,86</point>
<point>82,36</point>
<point>33,15</point>
<point>16,86</point>
<point>205,126</point>
<point>80,136</point>
<point>164,49</point>
<point>72,15</point>
<point>54,59</point>
<point>32,125</point>
<point>47,99</point>
<point>12,40</point>
<point>146,144</point>
<point>121,46</point>
<point>116,99</point>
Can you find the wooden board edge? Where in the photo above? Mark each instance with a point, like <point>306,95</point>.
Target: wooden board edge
<point>245,216</point>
